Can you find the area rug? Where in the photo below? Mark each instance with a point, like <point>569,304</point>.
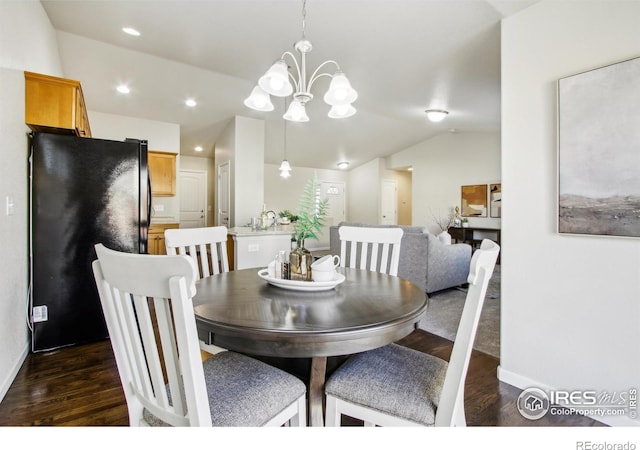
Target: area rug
<point>445,309</point>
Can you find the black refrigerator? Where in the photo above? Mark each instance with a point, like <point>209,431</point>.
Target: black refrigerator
<point>82,192</point>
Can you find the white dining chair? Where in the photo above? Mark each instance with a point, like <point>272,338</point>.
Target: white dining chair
<point>147,305</point>
<point>398,386</point>
<point>207,247</point>
<point>376,249</point>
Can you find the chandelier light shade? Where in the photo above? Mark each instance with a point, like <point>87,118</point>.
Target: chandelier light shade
<point>259,100</point>
<point>281,81</point>
<point>340,92</point>
<point>297,112</point>
<point>436,115</point>
<point>341,112</point>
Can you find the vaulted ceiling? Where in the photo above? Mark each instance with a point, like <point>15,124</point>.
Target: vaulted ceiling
<point>402,56</point>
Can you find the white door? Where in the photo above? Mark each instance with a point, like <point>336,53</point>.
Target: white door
<point>193,198</point>
<point>334,192</point>
<point>389,201</point>
<point>224,189</point>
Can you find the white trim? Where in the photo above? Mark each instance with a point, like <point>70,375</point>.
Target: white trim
<point>522,382</point>
<point>11,376</point>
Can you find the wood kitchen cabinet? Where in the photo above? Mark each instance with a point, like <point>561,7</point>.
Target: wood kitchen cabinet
<point>156,244</point>
<point>162,170</point>
<point>55,105</point>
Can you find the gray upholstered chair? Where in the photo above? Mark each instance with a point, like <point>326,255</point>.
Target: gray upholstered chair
<point>147,304</point>
<point>397,386</point>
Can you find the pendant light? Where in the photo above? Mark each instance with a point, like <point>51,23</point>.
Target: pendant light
<point>285,168</point>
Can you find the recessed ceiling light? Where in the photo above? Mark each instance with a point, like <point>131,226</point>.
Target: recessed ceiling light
<point>190,102</point>
<point>198,148</point>
<point>131,31</point>
<point>343,165</point>
<point>410,169</point>
<point>436,115</point>
<point>123,89</point>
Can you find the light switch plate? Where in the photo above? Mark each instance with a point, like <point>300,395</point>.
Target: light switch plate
<point>10,206</point>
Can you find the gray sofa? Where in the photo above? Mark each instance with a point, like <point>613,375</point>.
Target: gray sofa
<point>424,260</point>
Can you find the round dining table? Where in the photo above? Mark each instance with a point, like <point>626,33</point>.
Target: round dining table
<point>241,311</point>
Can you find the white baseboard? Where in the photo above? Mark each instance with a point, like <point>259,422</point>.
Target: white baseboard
<point>6,383</point>
<point>522,382</point>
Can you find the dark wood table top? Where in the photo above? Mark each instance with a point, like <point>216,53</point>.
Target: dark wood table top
<point>240,311</point>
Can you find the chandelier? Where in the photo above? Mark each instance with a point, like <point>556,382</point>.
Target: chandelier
<point>278,81</point>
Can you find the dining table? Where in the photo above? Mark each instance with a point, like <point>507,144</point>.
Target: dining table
<point>248,312</point>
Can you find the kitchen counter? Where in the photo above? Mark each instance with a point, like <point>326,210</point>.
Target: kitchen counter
<point>247,231</point>
<point>257,248</point>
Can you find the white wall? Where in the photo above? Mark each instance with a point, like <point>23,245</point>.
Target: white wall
<point>570,304</point>
<point>363,193</point>
<point>442,165</point>
<point>249,182</point>
<point>281,193</point>
<point>31,48</point>
<point>242,143</point>
<point>161,137</point>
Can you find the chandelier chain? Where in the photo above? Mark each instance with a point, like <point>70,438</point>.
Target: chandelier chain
<point>304,18</point>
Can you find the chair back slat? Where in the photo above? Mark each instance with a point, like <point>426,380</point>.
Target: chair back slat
<point>451,409</point>
<point>206,246</point>
<point>379,248</point>
<point>147,304</point>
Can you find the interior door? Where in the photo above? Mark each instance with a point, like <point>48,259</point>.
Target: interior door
<point>193,198</point>
<point>389,201</point>
<point>334,192</point>
<point>224,190</point>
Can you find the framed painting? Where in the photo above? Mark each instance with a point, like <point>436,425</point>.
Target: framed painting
<point>495,200</point>
<point>474,200</point>
<point>599,151</point>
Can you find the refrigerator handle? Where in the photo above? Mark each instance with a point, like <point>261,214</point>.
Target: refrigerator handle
<point>149,198</point>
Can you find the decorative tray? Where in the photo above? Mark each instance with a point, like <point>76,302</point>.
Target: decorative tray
<point>296,285</point>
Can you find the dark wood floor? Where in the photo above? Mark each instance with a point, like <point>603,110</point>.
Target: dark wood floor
<point>79,386</point>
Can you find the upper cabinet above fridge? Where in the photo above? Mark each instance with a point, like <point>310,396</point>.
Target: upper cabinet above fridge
<point>55,105</point>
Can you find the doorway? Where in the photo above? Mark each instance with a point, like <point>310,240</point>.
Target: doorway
<point>224,191</point>
<point>389,203</point>
<point>193,198</point>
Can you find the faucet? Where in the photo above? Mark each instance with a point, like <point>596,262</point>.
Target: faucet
<point>272,215</point>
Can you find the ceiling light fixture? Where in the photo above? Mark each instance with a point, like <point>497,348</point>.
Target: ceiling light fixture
<point>198,148</point>
<point>131,31</point>
<point>343,165</point>
<point>123,89</point>
<point>436,115</point>
<point>190,102</point>
<point>276,81</point>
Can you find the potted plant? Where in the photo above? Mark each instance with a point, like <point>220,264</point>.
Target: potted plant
<point>287,217</point>
<point>465,222</point>
<point>310,220</point>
